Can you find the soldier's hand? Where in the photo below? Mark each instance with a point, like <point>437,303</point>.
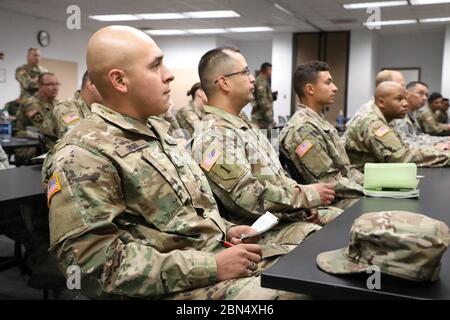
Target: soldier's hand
<point>238,261</point>
<point>234,234</point>
<point>326,191</point>
<point>313,216</point>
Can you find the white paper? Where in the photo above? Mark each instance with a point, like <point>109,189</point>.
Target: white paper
<point>264,223</point>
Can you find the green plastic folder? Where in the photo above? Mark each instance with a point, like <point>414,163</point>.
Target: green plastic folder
<point>393,180</point>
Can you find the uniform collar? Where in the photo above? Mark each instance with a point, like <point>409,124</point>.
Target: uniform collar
<point>378,112</point>
<point>236,121</point>
<point>85,110</point>
<point>122,121</point>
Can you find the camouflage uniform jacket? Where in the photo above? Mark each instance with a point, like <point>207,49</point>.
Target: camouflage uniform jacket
<point>429,122</point>
<point>4,163</point>
<point>262,111</point>
<point>371,139</point>
<point>28,79</point>
<point>188,116</point>
<point>363,109</point>
<point>131,209</point>
<point>442,116</point>
<point>68,113</point>
<point>316,149</point>
<point>244,170</point>
<point>38,113</point>
<point>411,132</point>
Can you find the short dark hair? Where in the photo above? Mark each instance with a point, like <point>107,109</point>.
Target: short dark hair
<point>32,49</point>
<point>434,96</point>
<point>84,79</point>
<point>445,99</point>
<point>265,66</point>
<point>412,84</point>
<point>209,61</point>
<point>42,75</point>
<point>193,90</point>
<point>308,73</point>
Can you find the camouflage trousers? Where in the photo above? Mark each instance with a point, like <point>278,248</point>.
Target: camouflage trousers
<point>328,214</point>
<point>237,289</point>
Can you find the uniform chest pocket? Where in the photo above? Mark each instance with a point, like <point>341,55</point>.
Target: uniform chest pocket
<point>163,195</point>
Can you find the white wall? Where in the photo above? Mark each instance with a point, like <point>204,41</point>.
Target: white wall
<point>282,73</point>
<point>18,33</point>
<point>414,50</point>
<point>445,83</point>
<point>256,52</point>
<point>362,69</point>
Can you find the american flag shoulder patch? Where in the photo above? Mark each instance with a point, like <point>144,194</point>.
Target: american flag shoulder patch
<point>211,156</point>
<point>53,187</point>
<point>70,118</point>
<point>303,148</point>
<point>380,132</point>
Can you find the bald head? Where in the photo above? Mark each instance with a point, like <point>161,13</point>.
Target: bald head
<point>387,88</point>
<point>390,75</point>
<point>127,68</point>
<point>390,97</point>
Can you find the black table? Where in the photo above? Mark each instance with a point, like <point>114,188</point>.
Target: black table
<point>21,184</point>
<point>15,143</point>
<point>298,271</point>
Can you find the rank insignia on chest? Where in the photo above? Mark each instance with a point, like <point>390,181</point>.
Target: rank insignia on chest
<point>303,148</point>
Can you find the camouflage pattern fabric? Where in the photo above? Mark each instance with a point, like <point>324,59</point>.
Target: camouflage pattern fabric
<point>362,110</point>
<point>442,116</point>
<point>68,113</point>
<point>134,211</point>
<point>429,122</point>
<point>28,79</point>
<point>262,105</point>
<point>316,149</point>
<point>245,173</point>
<point>402,244</point>
<point>371,139</point>
<point>188,116</point>
<point>4,163</point>
<point>411,132</point>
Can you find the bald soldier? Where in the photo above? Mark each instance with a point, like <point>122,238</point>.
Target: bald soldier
<point>128,205</point>
<point>241,165</point>
<point>27,75</point>
<point>409,127</point>
<point>429,118</point>
<point>68,113</point>
<point>372,138</point>
<point>382,76</point>
<point>312,143</point>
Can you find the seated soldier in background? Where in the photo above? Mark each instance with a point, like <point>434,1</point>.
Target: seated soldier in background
<point>193,113</point>
<point>371,137</point>
<point>68,113</point>
<point>37,112</point>
<point>312,143</point>
<point>442,114</point>
<point>428,118</point>
<point>409,127</point>
<point>128,205</point>
<point>12,107</point>
<point>241,165</point>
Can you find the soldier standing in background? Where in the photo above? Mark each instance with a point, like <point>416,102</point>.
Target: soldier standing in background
<point>28,74</point>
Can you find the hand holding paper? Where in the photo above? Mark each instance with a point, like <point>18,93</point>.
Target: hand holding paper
<point>264,223</point>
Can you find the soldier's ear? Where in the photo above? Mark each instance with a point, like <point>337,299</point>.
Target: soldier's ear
<point>118,80</point>
<point>309,89</point>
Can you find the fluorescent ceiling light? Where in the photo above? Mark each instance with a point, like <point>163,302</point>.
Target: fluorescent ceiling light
<point>389,22</point>
<point>160,16</point>
<point>165,32</point>
<point>250,29</point>
<point>207,31</point>
<point>276,5</point>
<point>114,17</point>
<point>379,4</point>
<point>424,2</point>
<point>212,14</point>
<point>445,19</point>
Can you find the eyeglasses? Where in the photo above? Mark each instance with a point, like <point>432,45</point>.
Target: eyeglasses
<point>246,72</point>
<point>54,84</point>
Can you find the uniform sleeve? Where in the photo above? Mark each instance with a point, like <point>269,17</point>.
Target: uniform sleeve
<point>65,119</point>
<point>112,261</point>
<point>264,100</point>
<point>46,125</point>
<point>431,126</point>
<point>224,160</point>
<point>26,82</point>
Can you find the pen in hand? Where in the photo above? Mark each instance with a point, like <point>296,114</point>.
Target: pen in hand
<point>226,244</point>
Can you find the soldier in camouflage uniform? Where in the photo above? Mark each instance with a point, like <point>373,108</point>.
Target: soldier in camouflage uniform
<point>262,105</point>
<point>37,112</point>
<point>68,113</point>
<point>428,119</point>
<point>312,143</point>
<point>409,127</point>
<point>192,114</point>
<point>371,138</point>
<point>127,205</point>
<point>442,114</point>
<point>12,107</point>
<point>241,165</point>
<point>28,74</point>
<point>384,75</point>
<point>4,163</point>
<point>391,240</point>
